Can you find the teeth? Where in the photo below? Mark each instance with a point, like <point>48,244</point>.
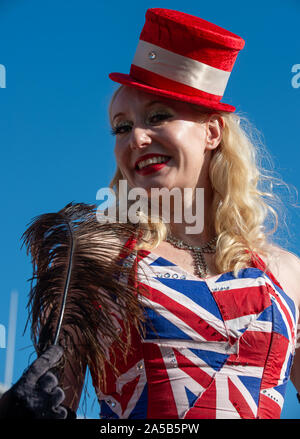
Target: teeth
<point>152,160</point>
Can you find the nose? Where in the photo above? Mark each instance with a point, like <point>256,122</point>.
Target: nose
<point>139,138</point>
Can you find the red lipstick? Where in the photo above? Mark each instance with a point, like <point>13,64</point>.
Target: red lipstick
<point>149,169</point>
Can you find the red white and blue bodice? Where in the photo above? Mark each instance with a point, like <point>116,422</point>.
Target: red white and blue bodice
<point>215,348</point>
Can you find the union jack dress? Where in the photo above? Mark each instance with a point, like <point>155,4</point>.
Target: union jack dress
<point>219,347</point>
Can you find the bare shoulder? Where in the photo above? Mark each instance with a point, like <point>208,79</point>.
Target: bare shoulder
<point>285,266</point>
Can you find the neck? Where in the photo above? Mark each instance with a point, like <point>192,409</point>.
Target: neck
<point>193,240</point>
<point>179,230</point>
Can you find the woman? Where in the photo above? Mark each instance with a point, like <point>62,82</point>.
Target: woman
<point>218,345</point>
<point>215,351</point>
<point>222,303</point>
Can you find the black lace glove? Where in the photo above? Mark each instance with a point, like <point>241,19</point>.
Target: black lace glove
<point>36,395</point>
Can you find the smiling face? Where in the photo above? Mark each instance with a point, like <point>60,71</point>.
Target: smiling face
<point>173,132</point>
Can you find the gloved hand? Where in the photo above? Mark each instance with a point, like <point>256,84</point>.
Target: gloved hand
<point>36,395</point>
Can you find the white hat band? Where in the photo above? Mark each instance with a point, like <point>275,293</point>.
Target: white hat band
<point>181,69</point>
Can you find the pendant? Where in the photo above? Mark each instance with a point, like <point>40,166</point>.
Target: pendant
<point>197,253</point>
<point>199,263</point>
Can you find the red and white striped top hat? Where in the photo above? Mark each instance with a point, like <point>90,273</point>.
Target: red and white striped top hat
<point>183,57</point>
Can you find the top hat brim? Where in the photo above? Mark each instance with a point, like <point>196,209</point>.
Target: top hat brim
<point>128,80</point>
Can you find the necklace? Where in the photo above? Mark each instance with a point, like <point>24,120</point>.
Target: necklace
<point>197,252</point>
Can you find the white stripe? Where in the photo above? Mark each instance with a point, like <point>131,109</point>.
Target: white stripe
<point>261,326</point>
<point>197,361</point>
<point>274,395</point>
<point>180,324</point>
<point>170,357</point>
<point>283,316</point>
<point>126,378</point>
<point>250,322</point>
<point>286,306</point>
<point>283,300</point>
<point>178,272</point>
<point>234,325</point>
<point>178,297</point>
<point>237,369</point>
<point>224,407</point>
<point>181,69</point>
<point>179,380</point>
<point>234,284</point>
<point>246,394</point>
<point>220,347</point>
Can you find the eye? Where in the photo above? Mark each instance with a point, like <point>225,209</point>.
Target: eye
<point>121,128</point>
<point>159,117</point>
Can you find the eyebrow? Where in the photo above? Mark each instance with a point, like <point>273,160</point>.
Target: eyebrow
<point>146,106</point>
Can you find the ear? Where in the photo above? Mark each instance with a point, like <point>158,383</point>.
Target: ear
<point>214,129</point>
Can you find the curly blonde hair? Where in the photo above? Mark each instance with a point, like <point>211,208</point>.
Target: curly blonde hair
<point>242,211</point>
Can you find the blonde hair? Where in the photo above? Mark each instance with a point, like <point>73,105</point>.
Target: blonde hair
<point>243,195</point>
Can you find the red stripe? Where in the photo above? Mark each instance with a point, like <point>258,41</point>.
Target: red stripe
<point>183,313</point>
<point>252,350</point>
<point>283,308</point>
<point>161,82</point>
<point>193,370</point>
<point>116,357</point>
<point>240,302</point>
<point>129,245</point>
<point>268,409</point>
<point>239,402</point>
<point>205,406</point>
<point>160,394</point>
<point>275,361</point>
<point>127,392</point>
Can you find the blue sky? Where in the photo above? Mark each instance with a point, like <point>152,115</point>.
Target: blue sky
<point>55,139</point>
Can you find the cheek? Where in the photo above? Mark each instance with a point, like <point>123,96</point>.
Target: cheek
<point>188,142</point>
<point>191,133</point>
<point>186,135</point>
